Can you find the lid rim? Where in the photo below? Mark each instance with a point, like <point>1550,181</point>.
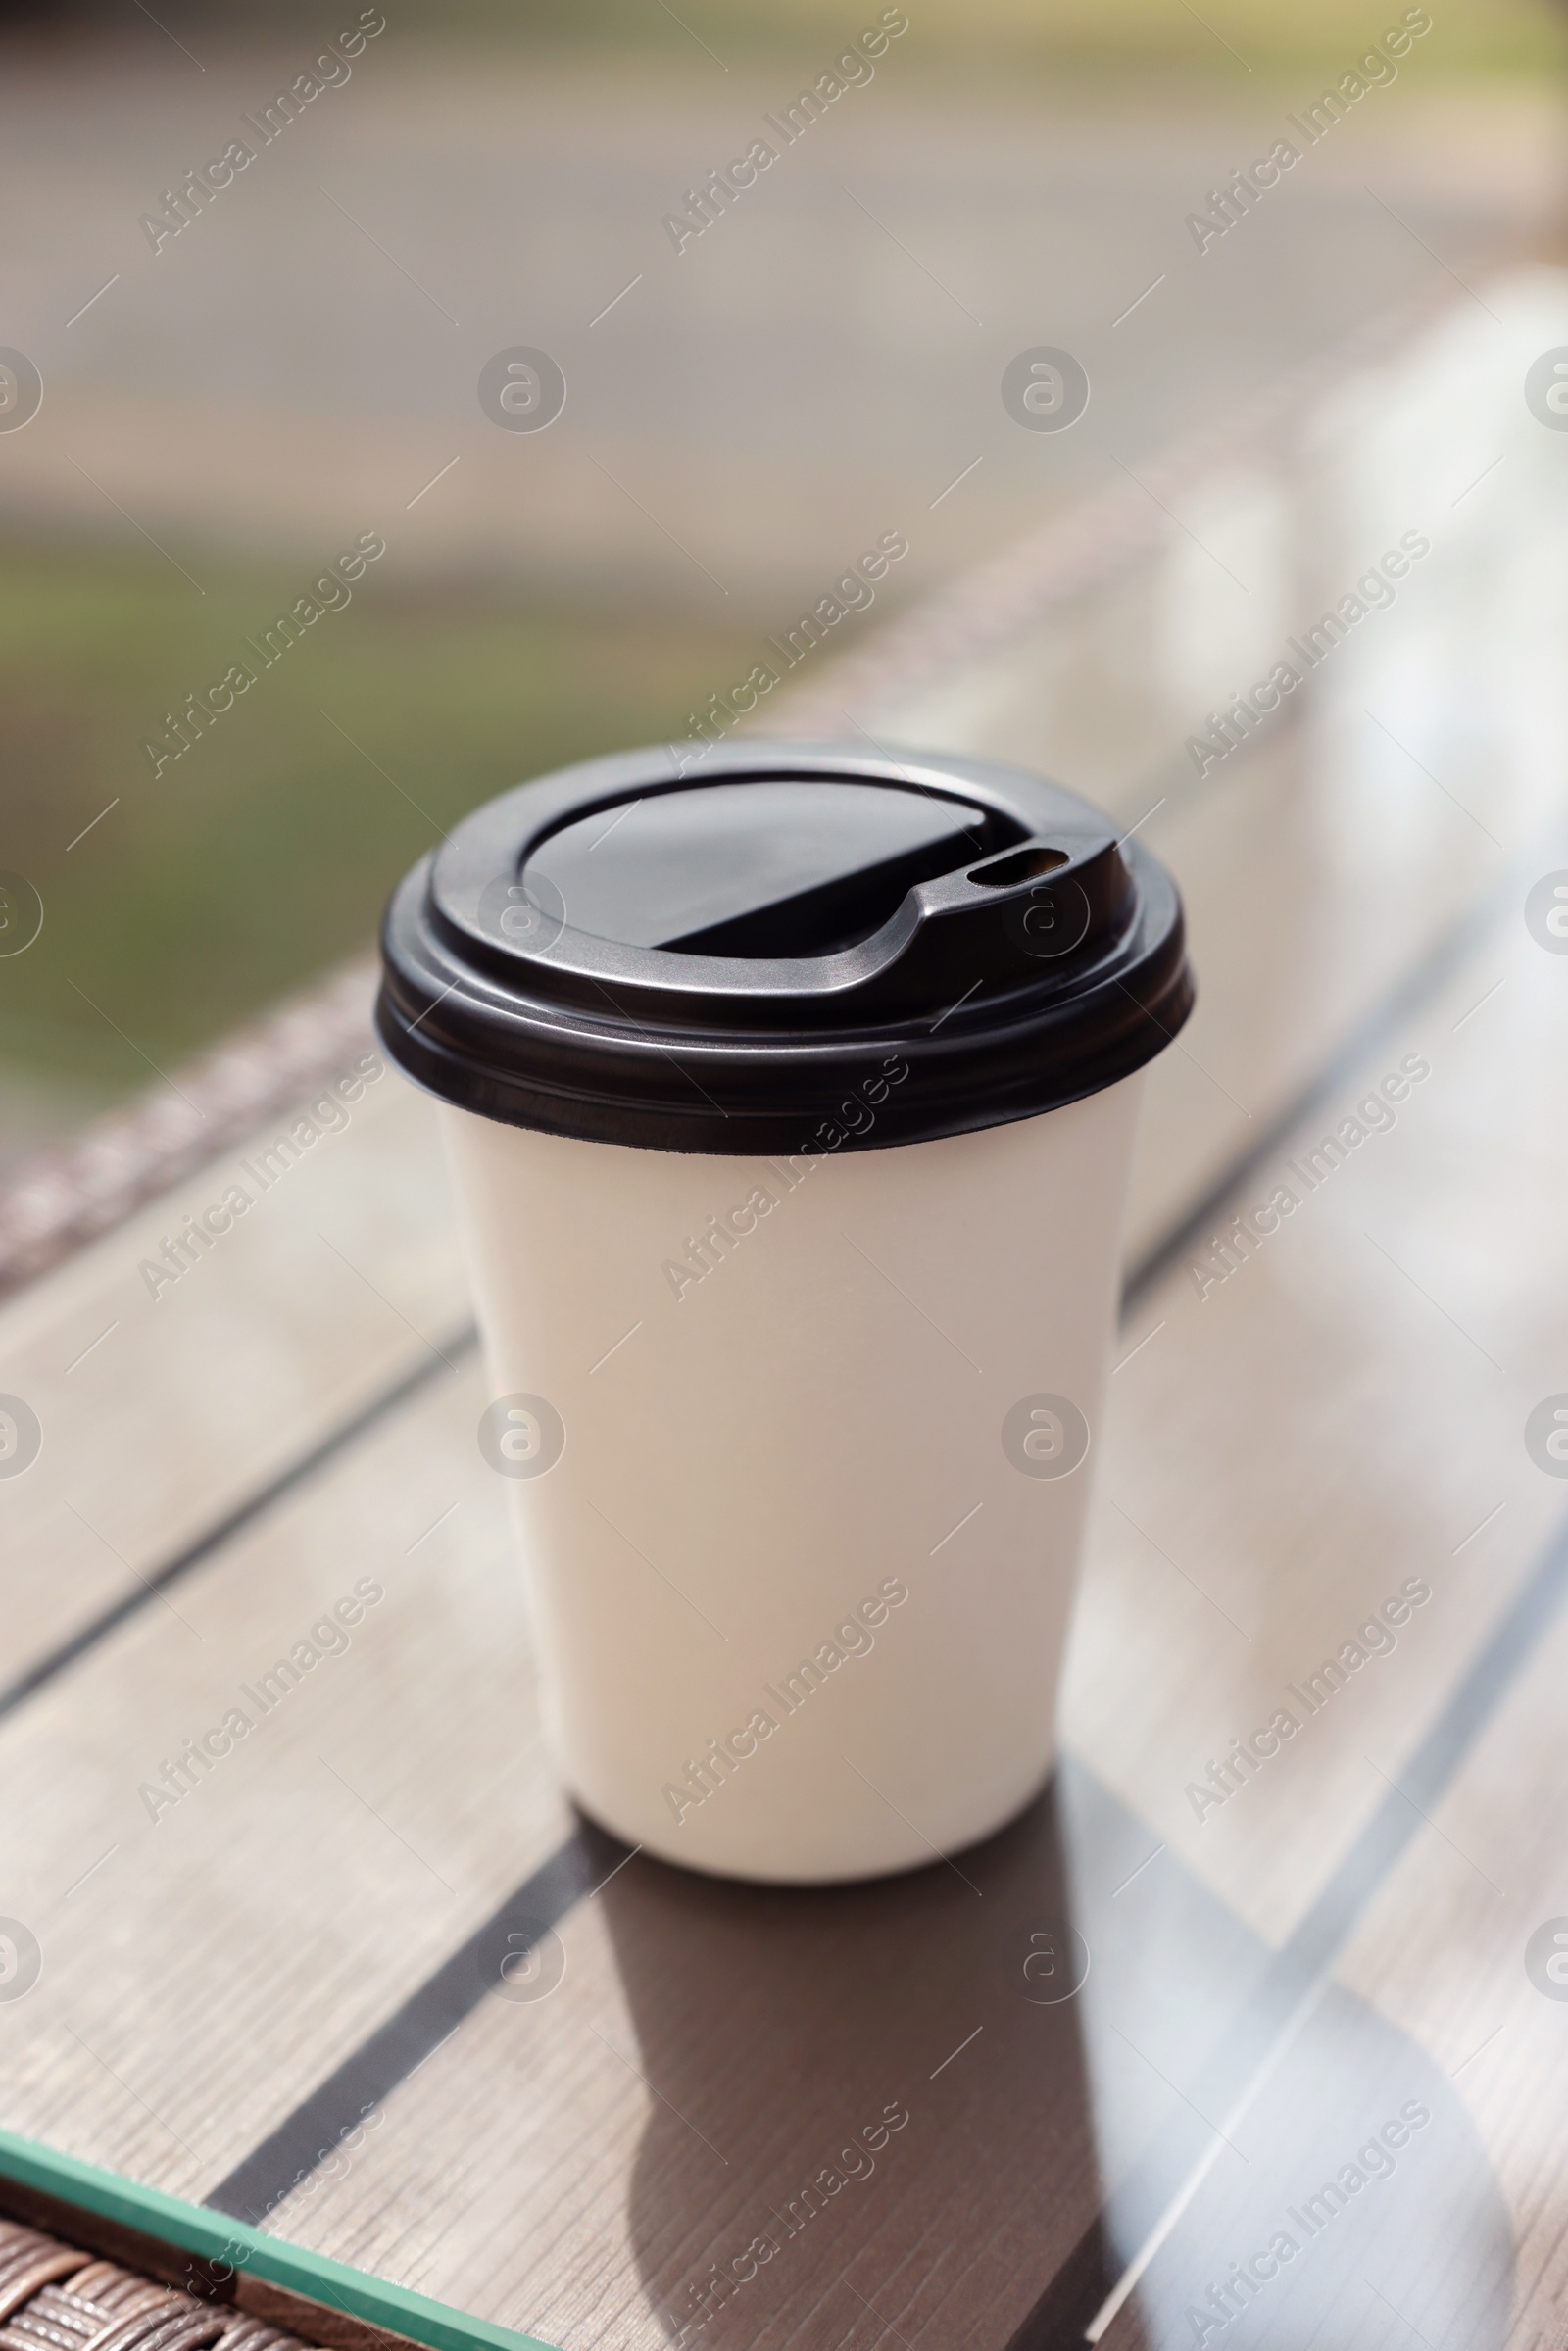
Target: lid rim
<point>756,1070</point>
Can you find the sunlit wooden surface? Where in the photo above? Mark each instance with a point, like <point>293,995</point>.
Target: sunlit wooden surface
<point>302,1955</point>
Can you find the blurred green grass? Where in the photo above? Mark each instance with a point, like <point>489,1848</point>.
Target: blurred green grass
<point>267,851</point>
<point>1226,40</point>
<point>1212,42</point>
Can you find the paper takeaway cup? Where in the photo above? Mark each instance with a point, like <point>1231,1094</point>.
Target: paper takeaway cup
<point>791,1104</point>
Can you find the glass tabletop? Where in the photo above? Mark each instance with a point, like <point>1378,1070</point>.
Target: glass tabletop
<point>1252,2028</point>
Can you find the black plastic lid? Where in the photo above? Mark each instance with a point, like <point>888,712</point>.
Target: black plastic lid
<point>728,960</point>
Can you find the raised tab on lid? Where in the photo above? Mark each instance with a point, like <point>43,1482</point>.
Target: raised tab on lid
<point>788,867</point>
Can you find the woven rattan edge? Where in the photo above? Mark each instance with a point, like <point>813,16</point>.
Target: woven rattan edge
<point>112,2241</point>
<point>315,2322</point>
<point>64,1197</point>
<point>262,2274</point>
<point>193,2275</point>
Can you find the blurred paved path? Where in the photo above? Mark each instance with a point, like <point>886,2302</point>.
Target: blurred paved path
<point>815,369</point>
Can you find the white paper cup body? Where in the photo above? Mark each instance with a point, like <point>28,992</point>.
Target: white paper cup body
<point>802,1534</point>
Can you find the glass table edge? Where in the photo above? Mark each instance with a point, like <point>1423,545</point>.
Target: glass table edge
<point>214,2236</point>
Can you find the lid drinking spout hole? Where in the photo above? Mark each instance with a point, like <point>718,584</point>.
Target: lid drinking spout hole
<point>1021,866</point>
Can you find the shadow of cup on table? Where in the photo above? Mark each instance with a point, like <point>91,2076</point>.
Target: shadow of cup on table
<point>955,2105</point>
<point>870,2103</point>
